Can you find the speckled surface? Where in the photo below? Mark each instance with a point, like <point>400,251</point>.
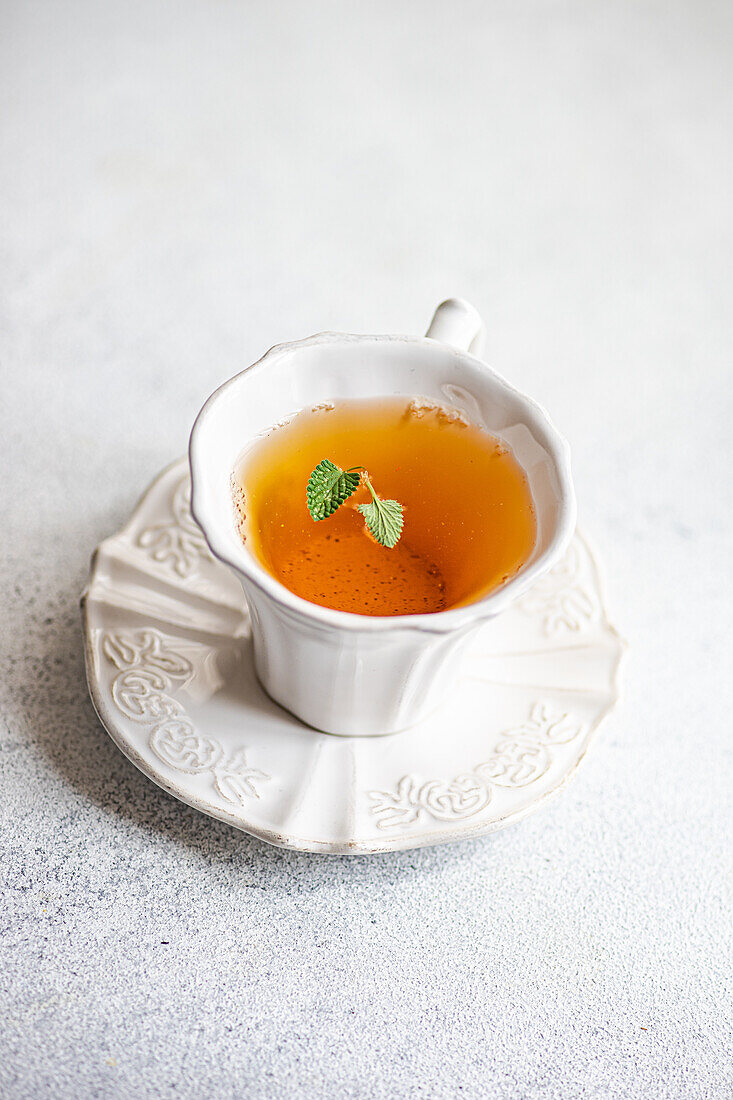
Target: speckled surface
<point>183,185</point>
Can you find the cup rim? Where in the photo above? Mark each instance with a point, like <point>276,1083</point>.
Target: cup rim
<point>205,513</point>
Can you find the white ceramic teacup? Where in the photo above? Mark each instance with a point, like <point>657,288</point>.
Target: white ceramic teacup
<point>354,674</point>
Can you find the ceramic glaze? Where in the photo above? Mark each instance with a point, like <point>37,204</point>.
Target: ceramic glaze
<point>170,670</point>
<point>339,672</point>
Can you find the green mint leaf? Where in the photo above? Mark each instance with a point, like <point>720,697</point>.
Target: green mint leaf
<point>328,488</point>
<point>384,518</point>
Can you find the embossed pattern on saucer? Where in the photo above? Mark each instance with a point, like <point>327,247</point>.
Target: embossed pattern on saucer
<point>170,673</point>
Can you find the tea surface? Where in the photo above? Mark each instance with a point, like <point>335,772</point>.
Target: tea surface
<point>469,521</point>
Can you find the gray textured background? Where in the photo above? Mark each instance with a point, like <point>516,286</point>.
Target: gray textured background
<point>184,184</point>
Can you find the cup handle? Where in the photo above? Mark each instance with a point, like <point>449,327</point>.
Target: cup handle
<point>457,323</point>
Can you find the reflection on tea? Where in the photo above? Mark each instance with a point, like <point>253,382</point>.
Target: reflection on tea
<point>469,523</point>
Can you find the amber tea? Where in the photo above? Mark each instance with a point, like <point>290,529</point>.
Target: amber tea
<point>469,523</point>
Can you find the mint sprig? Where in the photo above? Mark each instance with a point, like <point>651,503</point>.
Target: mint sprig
<point>329,486</point>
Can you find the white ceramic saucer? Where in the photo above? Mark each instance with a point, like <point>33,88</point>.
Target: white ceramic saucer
<point>169,666</point>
